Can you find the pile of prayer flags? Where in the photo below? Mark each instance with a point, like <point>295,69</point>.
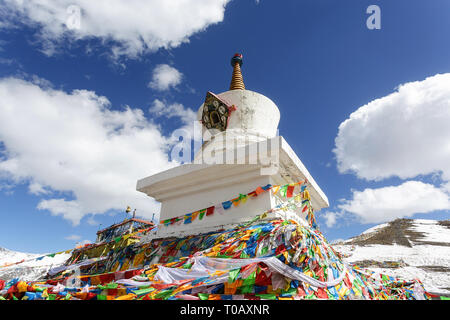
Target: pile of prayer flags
<point>276,259</point>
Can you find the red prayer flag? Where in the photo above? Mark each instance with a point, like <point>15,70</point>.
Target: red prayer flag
<point>262,279</point>
<point>90,295</point>
<point>113,292</point>
<point>280,249</point>
<point>320,274</point>
<point>131,273</point>
<point>106,278</point>
<point>210,211</point>
<point>252,194</point>
<point>321,294</point>
<point>300,291</point>
<point>347,281</point>
<point>290,191</point>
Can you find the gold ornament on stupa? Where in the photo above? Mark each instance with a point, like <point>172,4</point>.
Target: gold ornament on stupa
<point>237,82</point>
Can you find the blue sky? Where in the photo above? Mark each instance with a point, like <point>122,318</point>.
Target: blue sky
<point>317,60</point>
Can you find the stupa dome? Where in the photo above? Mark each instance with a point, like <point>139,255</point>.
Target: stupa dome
<point>252,117</point>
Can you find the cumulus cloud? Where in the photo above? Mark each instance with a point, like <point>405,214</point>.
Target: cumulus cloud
<point>388,203</point>
<point>36,189</point>
<point>165,77</point>
<point>330,218</point>
<point>74,151</point>
<point>133,26</point>
<point>163,109</point>
<point>404,134</point>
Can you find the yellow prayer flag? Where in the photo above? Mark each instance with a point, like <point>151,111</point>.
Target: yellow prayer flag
<point>126,297</point>
<point>306,195</point>
<point>275,189</point>
<point>22,286</point>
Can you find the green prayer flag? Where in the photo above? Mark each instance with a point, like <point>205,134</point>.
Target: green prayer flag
<point>247,289</point>
<point>203,296</point>
<point>112,285</point>
<point>445,298</point>
<point>310,296</point>
<point>144,287</point>
<point>250,280</point>
<point>142,291</point>
<point>101,297</point>
<point>267,296</point>
<point>117,239</point>
<point>244,255</point>
<point>164,294</point>
<point>232,275</point>
<point>290,291</point>
<point>283,190</point>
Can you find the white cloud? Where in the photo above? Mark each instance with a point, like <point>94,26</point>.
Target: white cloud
<point>36,189</point>
<point>131,26</point>
<point>73,237</point>
<point>404,134</point>
<point>162,109</point>
<point>86,156</point>
<point>388,203</point>
<point>91,221</point>
<point>165,77</point>
<point>330,218</point>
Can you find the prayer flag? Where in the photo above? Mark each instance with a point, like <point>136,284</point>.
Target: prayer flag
<point>210,211</point>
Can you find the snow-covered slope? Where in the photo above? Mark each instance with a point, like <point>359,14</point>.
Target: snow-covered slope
<point>29,270</point>
<point>405,248</point>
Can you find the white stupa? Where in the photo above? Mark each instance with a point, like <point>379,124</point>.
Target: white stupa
<point>241,152</point>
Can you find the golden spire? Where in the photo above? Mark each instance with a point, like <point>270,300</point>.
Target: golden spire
<point>237,82</point>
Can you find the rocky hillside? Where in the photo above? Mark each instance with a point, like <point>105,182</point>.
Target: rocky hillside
<point>405,248</point>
